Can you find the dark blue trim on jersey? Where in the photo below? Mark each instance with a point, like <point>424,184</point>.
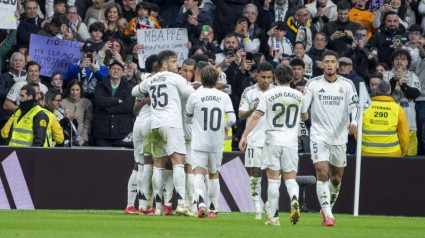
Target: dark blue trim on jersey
<point>230,112</point>
<point>259,111</point>
<point>189,115</point>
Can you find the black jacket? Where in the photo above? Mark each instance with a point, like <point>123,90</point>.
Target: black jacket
<point>343,44</point>
<point>383,41</point>
<point>26,27</point>
<point>111,119</point>
<point>316,55</point>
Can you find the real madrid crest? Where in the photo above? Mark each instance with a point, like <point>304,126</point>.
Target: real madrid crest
<point>341,90</point>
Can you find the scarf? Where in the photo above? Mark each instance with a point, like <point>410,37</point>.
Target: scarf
<point>144,23</point>
<point>280,12</point>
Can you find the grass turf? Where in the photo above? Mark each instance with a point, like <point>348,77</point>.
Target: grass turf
<point>112,223</point>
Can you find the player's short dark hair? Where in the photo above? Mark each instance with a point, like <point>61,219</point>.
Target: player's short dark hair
<point>150,63</point>
<point>31,63</point>
<point>200,65</point>
<point>343,5</point>
<point>264,66</point>
<point>283,74</point>
<point>401,52</point>
<point>297,62</point>
<point>383,88</point>
<point>189,62</point>
<point>144,5</point>
<point>416,27</point>
<point>97,26</point>
<point>330,52</point>
<point>30,91</point>
<point>165,55</point>
<point>377,75</point>
<point>209,76</point>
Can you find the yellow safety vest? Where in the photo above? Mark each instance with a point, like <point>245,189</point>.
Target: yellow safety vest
<point>49,136</point>
<point>380,128</point>
<point>22,133</point>
<point>227,147</point>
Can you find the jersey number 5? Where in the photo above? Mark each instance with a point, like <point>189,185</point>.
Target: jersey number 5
<point>157,95</point>
<point>211,120</point>
<point>278,122</point>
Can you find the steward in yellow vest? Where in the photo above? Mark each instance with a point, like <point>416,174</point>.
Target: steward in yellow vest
<point>385,127</point>
<point>30,122</point>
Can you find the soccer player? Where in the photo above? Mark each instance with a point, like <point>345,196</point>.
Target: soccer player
<point>205,109</point>
<point>254,152</point>
<point>332,99</point>
<point>281,107</point>
<point>165,90</point>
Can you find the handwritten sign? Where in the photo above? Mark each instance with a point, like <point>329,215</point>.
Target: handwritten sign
<point>7,14</point>
<point>53,54</point>
<point>157,40</point>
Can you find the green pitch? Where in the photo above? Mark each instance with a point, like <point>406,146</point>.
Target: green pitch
<point>93,223</point>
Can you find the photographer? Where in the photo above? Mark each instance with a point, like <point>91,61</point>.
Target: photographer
<point>390,37</point>
<point>341,32</point>
<point>364,58</point>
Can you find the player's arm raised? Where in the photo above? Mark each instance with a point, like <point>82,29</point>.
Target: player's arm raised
<point>140,90</point>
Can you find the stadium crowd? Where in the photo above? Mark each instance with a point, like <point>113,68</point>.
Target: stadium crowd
<point>234,35</point>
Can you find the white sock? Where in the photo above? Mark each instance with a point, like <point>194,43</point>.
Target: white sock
<point>273,198</point>
<point>132,189</point>
<point>139,181</point>
<point>146,187</point>
<point>334,191</point>
<point>256,190</point>
<point>293,189</point>
<point>190,196</point>
<point>213,192</point>
<point>179,178</point>
<point>157,184</point>
<point>322,190</point>
<point>168,187</point>
<point>199,189</point>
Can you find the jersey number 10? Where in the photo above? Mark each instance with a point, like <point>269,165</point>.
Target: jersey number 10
<point>216,114</point>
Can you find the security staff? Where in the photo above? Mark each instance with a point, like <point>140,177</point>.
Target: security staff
<point>30,121</point>
<point>385,127</point>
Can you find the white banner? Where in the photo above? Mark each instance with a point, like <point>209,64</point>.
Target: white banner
<point>7,14</point>
<point>157,40</point>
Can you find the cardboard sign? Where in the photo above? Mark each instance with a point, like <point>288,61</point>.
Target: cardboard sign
<point>7,14</point>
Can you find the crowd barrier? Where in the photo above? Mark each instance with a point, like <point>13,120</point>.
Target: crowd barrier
<point>96,178</point>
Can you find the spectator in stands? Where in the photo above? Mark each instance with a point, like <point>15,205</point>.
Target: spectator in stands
<point>420,109</point>
<point>360,15</point>
<point>415,46</point>
<point>364,58</point>
<point>77,24</point>
<point>388,134</point>
<point>274,11</point>
<point>252,41</point>
<point>129,9</point>
<point>33,76</point>
<point>54,6</point>
<point>79,109</point>
<point>114,106</point>
<point>96,12</point>
<point>322,12</point>
<point>382,68</point>
<point>142,20</point>
<point>155,17</point>
<point>115,53</point>
<point>300,28</point>
<point>56,28</point>
<point>390,36</point>
<point>346,69</point>
<point>29,23</point>
<point>406,16</point>
<point>375,78</point>
<point>112,14</point>
<point>88,70</point>
<point>299,53</point>
<point>193,14</point>
<point>226,13</point>
<point>341,31</point>
<point>196,50</point>
<point>405,88</point>
<point>169,9</point>
<point>207,40</point>
<point>230,47</point>
<point>57,82</point>
<point>298,68</point>
<point>131,73</point>
<point>96,31</point>
<point>278,42</point>
<point>30,122</point>
<point>320,42</point>
<point>52,106</point>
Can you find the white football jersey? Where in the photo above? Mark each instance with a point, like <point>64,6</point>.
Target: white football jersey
<point>250,97</point>
<point>281,107</point>
<point>13,94</point>
<point>165,91</point>
<point>207,107</point>
<point>331,105</point>
<point>187,128</point>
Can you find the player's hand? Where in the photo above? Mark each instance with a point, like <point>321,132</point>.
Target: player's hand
<point>352,129</point>
<point>242,144</point>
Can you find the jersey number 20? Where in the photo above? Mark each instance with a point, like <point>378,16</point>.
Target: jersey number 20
<point>157,95</point>
<point>281,107</point>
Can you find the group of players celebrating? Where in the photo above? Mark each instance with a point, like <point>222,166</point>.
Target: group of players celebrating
<point>179,134</point>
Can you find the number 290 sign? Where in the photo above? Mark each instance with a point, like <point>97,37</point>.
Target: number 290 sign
<point>157,40</point>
